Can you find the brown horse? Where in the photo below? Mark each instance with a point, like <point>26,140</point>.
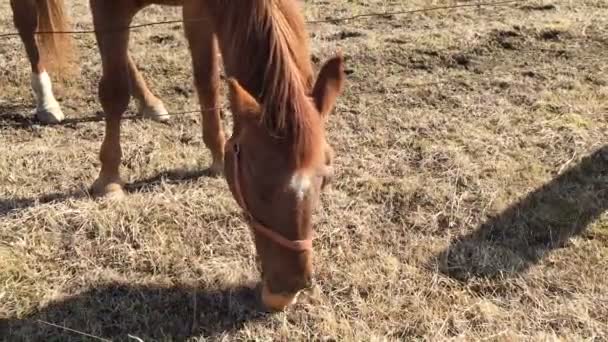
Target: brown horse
<point>53,51</point>
<point>277,161</point>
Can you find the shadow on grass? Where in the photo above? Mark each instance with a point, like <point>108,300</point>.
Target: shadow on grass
<point>168,177</point>
<point>11,205</point>
<point>115,311</point>
<point>12,117</point>
<point>14,204</point>
<point>544,220</point>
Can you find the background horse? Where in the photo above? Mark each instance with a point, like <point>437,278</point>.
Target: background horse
<point>53,53</point>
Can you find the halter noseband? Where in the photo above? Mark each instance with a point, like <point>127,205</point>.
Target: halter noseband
<point>294,245</point>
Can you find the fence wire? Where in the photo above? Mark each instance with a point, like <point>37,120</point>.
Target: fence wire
<point>328,20</point>
<point>388,15</point>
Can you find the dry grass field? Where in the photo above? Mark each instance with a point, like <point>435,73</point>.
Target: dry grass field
<point>470,200</point>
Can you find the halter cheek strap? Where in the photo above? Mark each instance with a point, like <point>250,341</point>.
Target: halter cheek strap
<point>294,245</point>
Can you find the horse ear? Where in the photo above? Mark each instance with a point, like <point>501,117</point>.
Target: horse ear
<point>243,105</point>
<point>329,85</point>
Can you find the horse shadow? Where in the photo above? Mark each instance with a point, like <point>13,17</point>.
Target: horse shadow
<point>122,312</point>
<point>174,176</point>
<point>545,220</point>
<point>11,205</point>
<point>13,117</point>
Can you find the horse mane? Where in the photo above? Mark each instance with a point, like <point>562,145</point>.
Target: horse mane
<point>288,111</point>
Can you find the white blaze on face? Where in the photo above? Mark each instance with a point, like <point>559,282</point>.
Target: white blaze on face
<point>47,107</point>
<point>300,183</point>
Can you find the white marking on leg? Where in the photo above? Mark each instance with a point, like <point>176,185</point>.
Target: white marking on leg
<point>300,183</point>
<point>47,107</point>
<point>43,88</point>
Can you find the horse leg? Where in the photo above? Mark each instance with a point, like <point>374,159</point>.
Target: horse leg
<point>150,106</point>
<point>25,17</point>
<point>204,49</point>
<point>114,89</point>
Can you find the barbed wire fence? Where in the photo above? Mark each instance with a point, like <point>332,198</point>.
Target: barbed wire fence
<point>328,20</point>
<point>388,15</point>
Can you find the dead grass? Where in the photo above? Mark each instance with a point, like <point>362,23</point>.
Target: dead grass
<point>470,199</point>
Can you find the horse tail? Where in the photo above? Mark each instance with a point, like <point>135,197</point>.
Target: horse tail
<point>57,48</point>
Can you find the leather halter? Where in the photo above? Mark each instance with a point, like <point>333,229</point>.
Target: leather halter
<point>294,245</point>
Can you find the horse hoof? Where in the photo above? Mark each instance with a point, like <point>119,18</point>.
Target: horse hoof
<point>108,189</point>
<point>50,115</point>
<point>156,112</point>
<point>216,169</point>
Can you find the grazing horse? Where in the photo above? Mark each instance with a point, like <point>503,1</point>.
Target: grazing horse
<point>277,161</point>
<point>53,51</point>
